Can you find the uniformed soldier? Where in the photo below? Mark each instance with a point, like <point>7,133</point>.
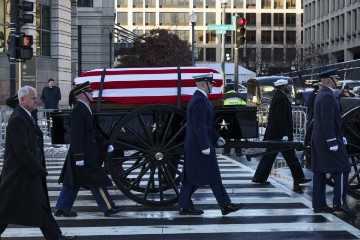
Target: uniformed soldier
<point>82,167</point>
<point>328,152</point>
<point>231,97</point>
<point>201,165</point>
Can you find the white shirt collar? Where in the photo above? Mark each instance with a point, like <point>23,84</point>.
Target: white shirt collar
<point>86,104</point>
<point>203,92</point>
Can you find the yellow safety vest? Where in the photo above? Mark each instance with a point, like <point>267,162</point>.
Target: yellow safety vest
<point>231,98</point>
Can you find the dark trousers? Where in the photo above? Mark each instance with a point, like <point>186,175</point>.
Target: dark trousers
<point>49,228</point>
<point>319,189</point>
<point>68,195</point>
<point>267,160</point>
<point>187,191</point>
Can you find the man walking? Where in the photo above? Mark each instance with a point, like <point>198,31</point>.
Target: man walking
<point>280,127</point>
<point>201,166</point>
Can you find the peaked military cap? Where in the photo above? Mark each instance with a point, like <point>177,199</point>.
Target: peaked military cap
<point>327,73</point>
<point>84,87</point>
<point>280,82</point>
<point>206,77</point>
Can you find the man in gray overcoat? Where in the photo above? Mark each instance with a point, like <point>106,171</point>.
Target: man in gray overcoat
<point>328,152</point>
<point>201,166</point>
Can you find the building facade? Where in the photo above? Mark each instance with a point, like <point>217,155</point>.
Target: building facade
<point>273,29</point>
<point>332,30</point>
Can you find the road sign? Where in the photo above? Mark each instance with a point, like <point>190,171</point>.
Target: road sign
<point>225,27</point>
<point>220,31</point>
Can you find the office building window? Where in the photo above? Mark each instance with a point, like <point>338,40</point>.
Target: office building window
<point>198,3</point>
<point>42,30</point>
<point>290,54</point>
<point>265,4</point>
<point>150,19</point>
<point>183,35</point>
<point>265,37</point>
<point>174,18</point>
<point>200,18</point>
<point>150,3</point>
<point>137,18</point>
<point>199,37</point>
<point>210,3</point>
<point>122,3</point>
<point>290,4</point>
<point>210,54</point>
<point>266,19</point>
<point>199,54</point>
<point>85,3</point>
<point>174,3</point>
<point>251,19</point>
<point>210,37</point>
<point>279,19</point>
<point>138,3</point>
<point>290,19</point>
<point>210,18</point>
<point>4,30</point>
<point>250,3</point>
<point>238,3</point>
<point>122,18</point>
<point>290,37</point>
<point>251,37</point>
<point>278,37</point>
<point>266,54</point>
<point>278,4</point>
<point>278,54</point>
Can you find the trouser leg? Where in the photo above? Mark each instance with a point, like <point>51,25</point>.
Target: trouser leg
<point>319,186</point>
<point>66,198</point>
<point>220,194</point>
<point>294,164</point>
<point>102,198</point>
<point>340,188</point>
<point>264,168</point>
<point>49,228</point>
<point>186,192</point>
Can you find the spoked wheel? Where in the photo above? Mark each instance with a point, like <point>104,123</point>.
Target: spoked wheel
<point>148,158</point>
<point>351,130</point>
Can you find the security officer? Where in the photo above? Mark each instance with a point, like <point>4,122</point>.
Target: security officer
<point>311,100</point>
<point>328,152</point>
<point>231,97</point>
<point>82,167</point>
<point>201,165</point>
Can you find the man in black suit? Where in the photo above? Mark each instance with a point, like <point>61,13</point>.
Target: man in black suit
<point>24,196</point>
<point>280,127</point>
<point>82,167</point>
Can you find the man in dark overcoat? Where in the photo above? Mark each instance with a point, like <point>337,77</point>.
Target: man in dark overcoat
<point>24,196</point>
<point>280,127</point>
<point>82,167</point>
<point>51,95</point>
<point>328,152</point>
<point>200,164</point>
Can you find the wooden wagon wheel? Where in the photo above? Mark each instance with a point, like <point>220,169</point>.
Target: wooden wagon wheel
<point>351,129</point>
<point>148,158</point>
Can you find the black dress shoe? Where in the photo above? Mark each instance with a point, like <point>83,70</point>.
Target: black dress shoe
<point>261,182</point>
<point>62,237</point>
<point>325,209</point>
<point>190,211</point>
<point>302,181</point>
<point>342,208</point>
<point>112,211</point>
<point>65,213</point>
<point>232,207</point>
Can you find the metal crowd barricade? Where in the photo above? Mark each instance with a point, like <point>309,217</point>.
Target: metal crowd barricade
<point>4,119</point>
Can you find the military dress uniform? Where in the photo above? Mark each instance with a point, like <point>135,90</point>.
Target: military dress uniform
<point>327,134</point>
<point>90,175</point>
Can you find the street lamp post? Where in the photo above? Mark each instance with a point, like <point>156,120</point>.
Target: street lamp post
<point>110,38</point>
<point>223,5</point>
<point>192,18</point>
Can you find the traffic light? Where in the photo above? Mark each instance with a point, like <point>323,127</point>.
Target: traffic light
<point>23,12</point>
<point>240,31</point>
<point>25,47</point>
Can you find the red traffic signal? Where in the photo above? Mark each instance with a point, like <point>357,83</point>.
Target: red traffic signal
<point>240,31</point>
<point>242,22</point>
<point>26,40</point>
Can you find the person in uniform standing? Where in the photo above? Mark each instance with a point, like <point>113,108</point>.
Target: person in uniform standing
<point>280,127</point>
<point>82,167</point>
<point>24,195</point>
<point>200,164</point>
<point>50,96</point>
<point>328,152</point>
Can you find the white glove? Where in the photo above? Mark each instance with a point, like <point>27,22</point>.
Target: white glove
<point>206,151</point>
<point>285,138</point>
<point>345,140</point>
<point>334,148</point>
<point>110,148</point>
<point>220,142</point>
<point>79,163</point>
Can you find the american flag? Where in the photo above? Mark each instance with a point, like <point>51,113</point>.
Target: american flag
<point>148,85</point>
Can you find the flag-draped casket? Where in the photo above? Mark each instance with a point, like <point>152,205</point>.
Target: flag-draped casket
<point>148,85</point>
